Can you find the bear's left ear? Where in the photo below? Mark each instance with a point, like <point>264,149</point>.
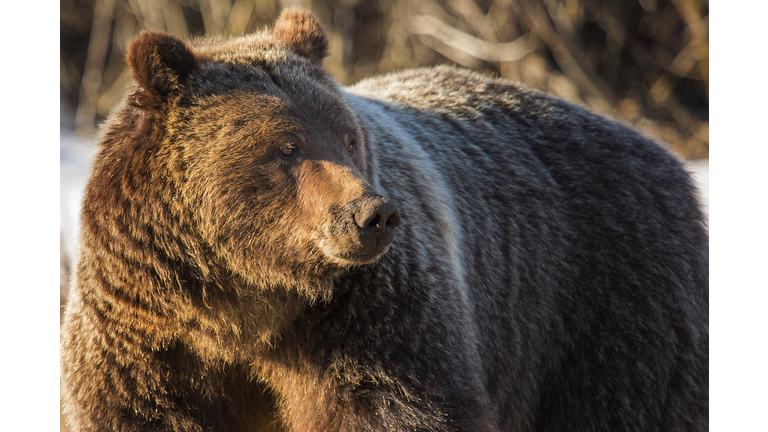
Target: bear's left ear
<point>160,64</point>
<point>301,31</point>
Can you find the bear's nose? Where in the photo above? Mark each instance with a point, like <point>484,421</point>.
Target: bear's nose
<point>363,229</point>
<point>376,213</point>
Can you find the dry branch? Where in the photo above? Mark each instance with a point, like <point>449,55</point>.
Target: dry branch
<point>569,56</point>
<point>575,48</point>
<point>94,66</point>
<point>468,45</point>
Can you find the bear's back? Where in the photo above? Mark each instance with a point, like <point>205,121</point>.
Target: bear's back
<point>558,225</point>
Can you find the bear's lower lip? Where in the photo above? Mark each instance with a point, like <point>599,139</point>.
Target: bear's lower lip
<point>358,248</point>
<point>364,257</point>
<point>358,258</point>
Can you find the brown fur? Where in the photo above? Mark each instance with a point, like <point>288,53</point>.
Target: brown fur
<point>302,33</point>
<point>159,63</point>
<point>244,267</point>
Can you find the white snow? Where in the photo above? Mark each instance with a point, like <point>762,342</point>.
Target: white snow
<point>75,155</point>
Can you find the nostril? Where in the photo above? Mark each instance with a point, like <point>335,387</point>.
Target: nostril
<point>377,214</point>
<point>374,221</point>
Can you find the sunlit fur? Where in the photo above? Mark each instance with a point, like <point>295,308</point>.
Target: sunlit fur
<point>550,272</point>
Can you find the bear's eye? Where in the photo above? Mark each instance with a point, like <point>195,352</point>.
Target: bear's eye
<point>351,144</point>
<point>288,152</point>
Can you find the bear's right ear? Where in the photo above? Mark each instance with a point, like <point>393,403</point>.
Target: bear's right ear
<point>160,63</point>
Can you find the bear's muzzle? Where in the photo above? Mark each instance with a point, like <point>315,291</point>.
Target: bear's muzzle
<point>363,229</point>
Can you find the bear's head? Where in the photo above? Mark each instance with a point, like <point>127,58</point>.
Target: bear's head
<point>262,160</point>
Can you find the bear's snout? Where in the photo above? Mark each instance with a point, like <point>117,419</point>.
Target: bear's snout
<point>364,228</point>
<point>375,219</point>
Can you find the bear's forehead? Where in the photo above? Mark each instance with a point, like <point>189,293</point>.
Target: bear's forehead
<point>258,65</point>
<point>254,81</point>
<point>262,86</point>
<point>247,99</point>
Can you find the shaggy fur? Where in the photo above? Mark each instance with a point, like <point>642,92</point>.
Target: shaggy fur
<point>549,271</point>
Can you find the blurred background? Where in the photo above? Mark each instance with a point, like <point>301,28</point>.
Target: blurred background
<point>644,62</point>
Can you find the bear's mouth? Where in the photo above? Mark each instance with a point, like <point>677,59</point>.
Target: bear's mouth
<point>359,256</point>
<point>357,250</point>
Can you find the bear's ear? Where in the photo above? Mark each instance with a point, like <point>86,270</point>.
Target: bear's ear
<point>160,63</point>
<point>301,31</point>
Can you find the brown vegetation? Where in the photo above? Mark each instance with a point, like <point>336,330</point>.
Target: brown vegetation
<point>645,62</point>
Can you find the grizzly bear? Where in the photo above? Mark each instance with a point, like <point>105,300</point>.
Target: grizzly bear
<point>434,250</point>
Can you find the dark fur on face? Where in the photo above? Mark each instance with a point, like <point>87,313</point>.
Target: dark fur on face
<point>263,250</point>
